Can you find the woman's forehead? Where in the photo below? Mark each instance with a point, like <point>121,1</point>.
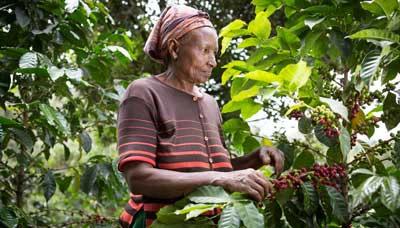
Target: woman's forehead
<point>203,35</point>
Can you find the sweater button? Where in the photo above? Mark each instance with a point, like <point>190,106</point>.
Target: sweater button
<point>195,98</point>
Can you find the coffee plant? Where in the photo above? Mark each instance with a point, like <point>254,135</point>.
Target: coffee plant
<point>332,66</point>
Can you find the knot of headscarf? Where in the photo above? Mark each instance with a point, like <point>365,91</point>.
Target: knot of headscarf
<point>174,22</point>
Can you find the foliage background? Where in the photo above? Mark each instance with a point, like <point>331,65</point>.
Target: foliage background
<point>65,64</point>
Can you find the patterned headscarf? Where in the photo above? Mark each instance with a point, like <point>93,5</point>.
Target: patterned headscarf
<point>174,22</point>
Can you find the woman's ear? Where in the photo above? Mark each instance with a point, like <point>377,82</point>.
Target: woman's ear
<point>173,48</point>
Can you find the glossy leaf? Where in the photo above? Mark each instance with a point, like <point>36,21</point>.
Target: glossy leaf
<point>234,124</point>
<point>249,214</point>
<point>260,26</point>
<point>338,204</point>
<point>88,179</point>
<point>305,125</point>
<point>234,25</point>
<point>296,75</point>
<point>390,193</point>
<point>366,190</point>
<point>251,92</point>
<point>209,194</point>
<point>344,139</point>
<point>263,76</point>
<point>336,106</point>
<point>370,66</point>
<point>49,185</point>
<point>194,210</point>
<point>28,60</point>
<point>229,218</point>
<point>376,34</point>
<point>310,199</point>
<point>55,118</point>
<point>86,141</point>
<point>390,110</point>
<point>304,159</point>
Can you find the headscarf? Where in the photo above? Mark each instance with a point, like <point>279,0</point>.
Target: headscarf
<point>174,22</point>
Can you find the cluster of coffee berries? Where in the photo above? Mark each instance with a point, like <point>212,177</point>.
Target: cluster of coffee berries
<point>317,175</point>
<point>296,114</point>
<point>324,116</point>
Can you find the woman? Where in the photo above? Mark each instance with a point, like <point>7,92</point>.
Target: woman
<point>170,138</point>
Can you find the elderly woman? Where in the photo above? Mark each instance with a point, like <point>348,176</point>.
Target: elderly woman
<point>169,131</point>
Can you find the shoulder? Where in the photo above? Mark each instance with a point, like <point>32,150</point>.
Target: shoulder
<point>142,88</point>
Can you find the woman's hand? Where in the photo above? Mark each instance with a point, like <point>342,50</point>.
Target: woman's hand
<point>272,156</point>
<point>247,181</point>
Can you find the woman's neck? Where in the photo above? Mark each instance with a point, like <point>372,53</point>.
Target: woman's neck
<point>177,81</point>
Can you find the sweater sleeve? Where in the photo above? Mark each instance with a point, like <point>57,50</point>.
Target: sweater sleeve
<point>137,134</point>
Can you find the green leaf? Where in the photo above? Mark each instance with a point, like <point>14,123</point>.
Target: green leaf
<point>234,124</point>
<point>121,50</point>
<point>88,179</point>
<point>263,76</point>
<point>303,159</point>
<point>288,40</point>
<point>260,26</point>
<point>390,193</point>
<point>55,72</point>
<point>379,7</point>
<point>49,185</point>
<point>8,217</point>
<point>310,199</point>
<point>309,42</point>
<point>284,196</point>
<point>234,25</point>
<point>297,106</point>
<point>194,210</point>
<point>251,92</point>
<point>22,19</point>
<point>249,214</point>
<point>249,42</point>
<point>74,73</point>
<point>366,190</point>
<point>390,72</point>
<point>296,75</point>
<point>209,194</point>
<point>338,204</point>
<point>9,123</point>
<point>313,22</point>
<point>229,218</point>
<point>376,34</point>
<point>228,73</point>
<point>250,144</point>
<point>196,224</point>
<point>71,5</point>
<point>55,118</point>
<point>391,109</point>
<point>370,66</point>
<point>64,182</point>
<point>344,139</point>
<point>321,136</point>
<point>305,125</point>
<point>29,60</point>
<point>225,44</point>
<point>167,215</point>
<point>24,136</point>
<point>249,109</point>
<point>342,43</point>
<point>86,141</point>
<point>336,106</point>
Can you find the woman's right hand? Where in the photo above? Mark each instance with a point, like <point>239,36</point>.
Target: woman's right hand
<point>247,181</point>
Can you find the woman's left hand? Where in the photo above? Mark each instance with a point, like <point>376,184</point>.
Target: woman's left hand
<point>272,156</point>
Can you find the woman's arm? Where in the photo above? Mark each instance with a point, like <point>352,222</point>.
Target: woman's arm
<point>262,156</point>
<point>143,179</point>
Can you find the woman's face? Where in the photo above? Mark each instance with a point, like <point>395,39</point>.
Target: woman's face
<point>196,55</point>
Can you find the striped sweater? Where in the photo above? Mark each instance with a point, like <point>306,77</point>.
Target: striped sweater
<point>168,129</point>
